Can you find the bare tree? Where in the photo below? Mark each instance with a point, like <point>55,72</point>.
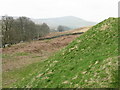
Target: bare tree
<point>7,23</point>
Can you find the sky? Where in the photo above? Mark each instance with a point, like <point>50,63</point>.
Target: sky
<point>90,10</point>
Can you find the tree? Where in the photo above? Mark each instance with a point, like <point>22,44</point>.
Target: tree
<point>42,29</point>
<point>62,28</point>
<point>45,29</point>
<point>21,29</point>
<point>26,28</point>
<point>6,24</point>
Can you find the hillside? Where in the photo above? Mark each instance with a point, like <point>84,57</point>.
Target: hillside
<point>78,30</point>
<point>90,61</point>
<point>20,59</point>
<point>69,21</point>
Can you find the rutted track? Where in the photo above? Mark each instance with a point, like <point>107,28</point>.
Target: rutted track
<point>61,35</point>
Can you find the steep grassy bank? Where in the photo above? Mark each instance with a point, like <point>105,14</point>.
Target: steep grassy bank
<point>90,61</point>
<point>17,59</point>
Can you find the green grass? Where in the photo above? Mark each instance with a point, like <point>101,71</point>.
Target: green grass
<point>21,54</point>
<point>15,55</point>
<point>90,61</point>
<point>19,71</point>
<point>19,74</point>
<point>6,55</point>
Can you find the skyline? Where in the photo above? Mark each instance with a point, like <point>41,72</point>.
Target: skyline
<point>90,10</point>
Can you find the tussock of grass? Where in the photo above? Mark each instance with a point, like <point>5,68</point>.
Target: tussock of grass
<point>90,61</point>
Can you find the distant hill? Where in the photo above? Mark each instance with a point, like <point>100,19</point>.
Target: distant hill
<point>90,61</point>
<point>68,21</point>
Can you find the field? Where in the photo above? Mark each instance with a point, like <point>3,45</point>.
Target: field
<point>89,60</point>
<point>18,58</point>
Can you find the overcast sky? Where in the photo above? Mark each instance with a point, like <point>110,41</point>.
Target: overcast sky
<point>91,10</point>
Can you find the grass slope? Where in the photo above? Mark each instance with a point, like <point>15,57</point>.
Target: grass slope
<point>90,61</point>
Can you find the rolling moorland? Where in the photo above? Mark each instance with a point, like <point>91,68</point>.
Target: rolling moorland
<point>68,21</point>
<point>89,60</point>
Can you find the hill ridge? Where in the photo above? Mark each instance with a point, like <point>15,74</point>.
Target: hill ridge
<point>68,21</point>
